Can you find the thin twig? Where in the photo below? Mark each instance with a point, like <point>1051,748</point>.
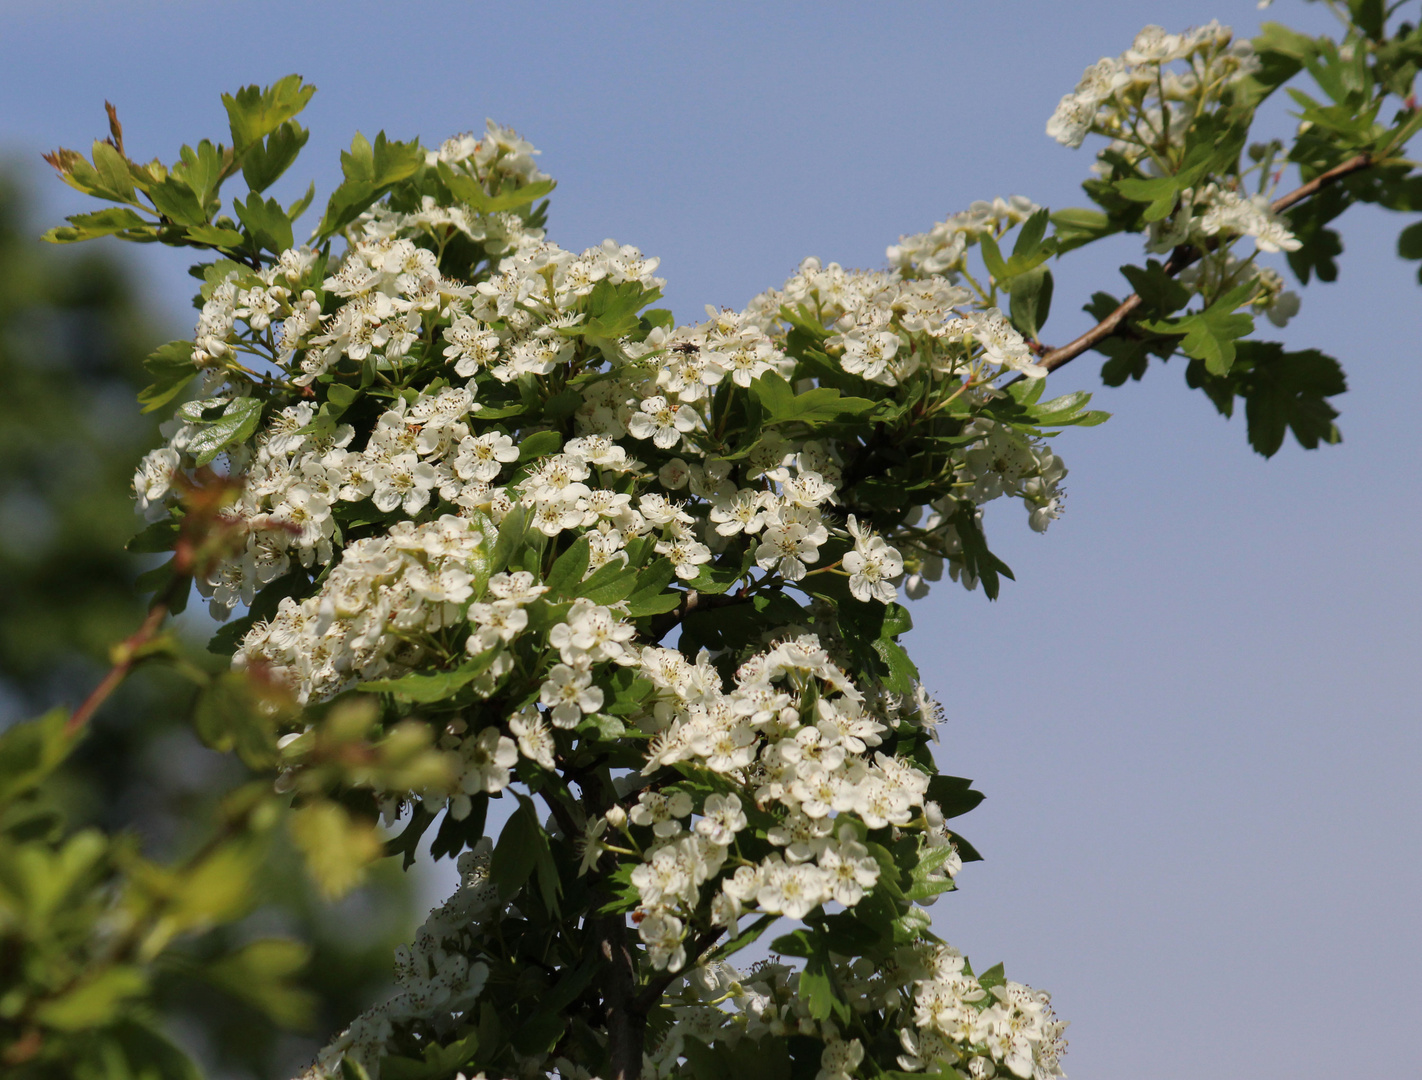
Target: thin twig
<point>130,650</point>
<point>1053,359</point>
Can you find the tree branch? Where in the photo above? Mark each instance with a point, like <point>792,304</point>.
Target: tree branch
<point>626,1019</point>
<point>130,651</point>
<point>1052,359</point>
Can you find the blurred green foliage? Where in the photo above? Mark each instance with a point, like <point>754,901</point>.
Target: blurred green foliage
<point>73,334</point>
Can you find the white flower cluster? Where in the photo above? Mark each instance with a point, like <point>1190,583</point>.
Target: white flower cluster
<point>956,1020</point>
<point>1212,212</point>
<point>1138,99</point>
<point>400,429</point>
<point>950,1019</point>
<point>375,609</point>
<point>812,765</point>
<point>889,326</point>
<point>436,979</point>
<point>943,249</point>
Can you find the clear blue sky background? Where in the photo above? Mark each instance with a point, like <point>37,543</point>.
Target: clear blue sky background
<point>1195,715</point>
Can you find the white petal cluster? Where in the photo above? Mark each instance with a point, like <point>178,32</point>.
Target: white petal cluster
<point>943,249</point>
<point>949,1019</point>
<point>438,976</point>
<point>805,768</point>
<point>1214,213</point>
<point>365,621</point>
<point>1008,1027</point>
<point>1140,86</point>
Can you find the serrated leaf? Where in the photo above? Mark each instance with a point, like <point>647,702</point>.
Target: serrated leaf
<point>539,444</point>
<point>518,851</point>
<point>215,236</point>
<point>1288,391</point>
<point>263,973</point>
<point>1159,193</point>
<point>255,112</point>
<point>264,161</point>
<point>1076,226</point>
<point>106,222</point>
<point>1158,290</point>
<point>651,596</point>
<point>93,1002</point>
<point>115,181</point>
<point>1031,301</point>
<point>236,424</point>
<point>172,368</point>
<point>436,686</point>
<point>177,202</point>
<point>266,221</point>
<point>819,405</point>
<point>954,795</point>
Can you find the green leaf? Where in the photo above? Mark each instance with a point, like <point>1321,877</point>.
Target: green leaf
<point>265,161</point>
<point>266,221</point>
<point>977,559</point>
<point>1029,237</point>
<point>235,424</point>
<point>817,988</point>
<point>1157,289</point>
<point>202,171</point>
<point>215,236</point>
<point>262,973</point>
<point>902,672</point>
<point>172,368</point>
<point>1160,193</point>
<point>820,405</point>
<point>177,202</point>
<point>149,1055</point>
<point>539,444</point>
<point>338,847</point>
<point>370,171</point>
<point>1288,391</point>
<point>610,583</point>
<point>518,850</point>
<point>651,596</point>
<point>749,936</point>
<point>1031,301</point>
<point>115,181</point>
<point>296,209</point>
<point>454,834</point>
<point>954,795</point>
<point>1409,241</point>
<point>30,751</point>
<point>1210,335</point>
<point>1076,226</point>
<point>568,569</point>
<point>992,258</point>
<point>511,533</point>
<point>95,1001</point>
<point>993,976</point>
<point>106,222</point>
<point>437,686</point>
<point>469,191</point>
<point>228,717</point>
<point>254,113</point>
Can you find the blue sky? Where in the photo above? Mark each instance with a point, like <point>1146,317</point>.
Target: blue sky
<point>1195,713</point>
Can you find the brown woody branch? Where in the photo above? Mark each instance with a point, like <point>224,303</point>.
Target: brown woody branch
<point>1185,256</point>
<point>130,651</point>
